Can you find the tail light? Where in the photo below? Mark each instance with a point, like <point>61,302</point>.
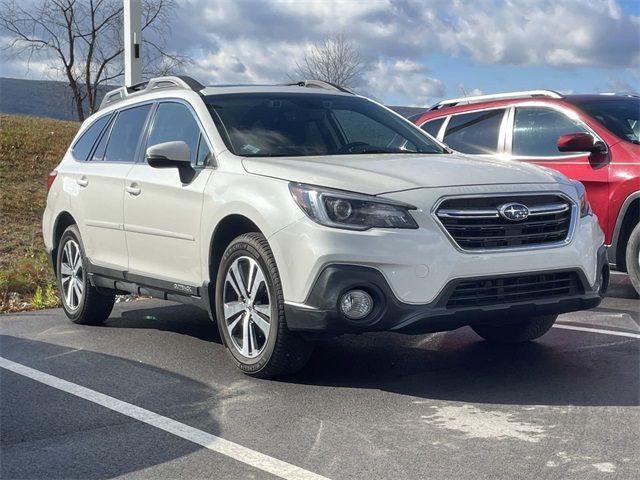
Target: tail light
<point>51,178</point>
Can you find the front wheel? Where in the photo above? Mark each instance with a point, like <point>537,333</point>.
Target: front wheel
<point>632,258</point>
<point>250,311</point>
<point>81,301</point>
<point>517,332</point>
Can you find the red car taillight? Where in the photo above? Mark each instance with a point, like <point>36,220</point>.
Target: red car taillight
<point>51,178</point>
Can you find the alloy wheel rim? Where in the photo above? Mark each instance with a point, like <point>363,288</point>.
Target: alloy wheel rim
<point>72,275</point>
<point>247,307</point>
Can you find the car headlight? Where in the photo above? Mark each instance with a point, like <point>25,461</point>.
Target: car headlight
<point>352,211</point>
<point>585,206</point>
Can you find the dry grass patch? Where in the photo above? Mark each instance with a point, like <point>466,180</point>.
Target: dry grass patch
<point>30,148</point>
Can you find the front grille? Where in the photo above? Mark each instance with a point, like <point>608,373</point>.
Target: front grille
<point>497,291</point>
<point>476,223</point>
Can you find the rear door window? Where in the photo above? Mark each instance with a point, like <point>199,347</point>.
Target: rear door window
<point>82,148</point>
<point>536,131</point>
<point>475,132</point>
<point>125,134</point>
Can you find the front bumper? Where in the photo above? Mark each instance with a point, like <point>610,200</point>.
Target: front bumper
<point>418,263</point>
<point>320,314</point>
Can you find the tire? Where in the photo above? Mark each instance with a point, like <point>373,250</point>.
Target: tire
<point>250,314</point>
<point>83,304</point>
<point>632,258</point>
<point>522,331</point>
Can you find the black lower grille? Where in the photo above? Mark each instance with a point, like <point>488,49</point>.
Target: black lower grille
<point>476,223</point>
<point>497,291</point>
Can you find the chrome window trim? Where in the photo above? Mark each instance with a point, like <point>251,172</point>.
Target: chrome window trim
<point>115,113</point>
<point>572,225</point>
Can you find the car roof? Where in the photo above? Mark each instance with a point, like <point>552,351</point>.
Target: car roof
<point>156,87</point>
<point>231,89</point>
<point>438,111</point>
<point>602,97</point>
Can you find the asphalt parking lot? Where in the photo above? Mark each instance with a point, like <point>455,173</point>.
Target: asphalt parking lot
<point>152,395</point>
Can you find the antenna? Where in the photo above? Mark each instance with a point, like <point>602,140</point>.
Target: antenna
<point>132,41</point>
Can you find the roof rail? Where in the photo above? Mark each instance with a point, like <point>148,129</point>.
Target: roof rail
<point>319,84</point>
<point>496,96</point>
<point>177,82</point>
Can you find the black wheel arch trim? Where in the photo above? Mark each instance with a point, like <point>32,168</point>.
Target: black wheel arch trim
<point>613,248</point>
<point>56,234</point>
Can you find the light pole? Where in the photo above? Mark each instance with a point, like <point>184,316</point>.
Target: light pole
<point>132,42</point>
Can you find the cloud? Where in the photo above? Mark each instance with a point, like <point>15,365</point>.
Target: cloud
<point>547,32</point>
<point>469,92</point>
<point>617,85</point>
<point>405,79</point>
<point>260,41</point>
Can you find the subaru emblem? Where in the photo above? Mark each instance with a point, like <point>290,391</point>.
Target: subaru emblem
<point>513,211</point>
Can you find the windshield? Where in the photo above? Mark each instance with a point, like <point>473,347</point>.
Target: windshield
<point>621,116</point>
<point>305,124</point>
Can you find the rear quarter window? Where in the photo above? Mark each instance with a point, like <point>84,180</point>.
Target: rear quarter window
<point>432,127</point>
<point>83,146</point>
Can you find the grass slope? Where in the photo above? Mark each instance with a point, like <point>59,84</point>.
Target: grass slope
<point>30,148</point>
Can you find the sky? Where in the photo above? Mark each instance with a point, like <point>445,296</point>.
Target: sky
<point>414,52</point>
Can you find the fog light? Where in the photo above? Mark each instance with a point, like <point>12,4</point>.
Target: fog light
<point>356,304</point>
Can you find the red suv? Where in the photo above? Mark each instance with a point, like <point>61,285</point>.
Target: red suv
<point>591,138</point>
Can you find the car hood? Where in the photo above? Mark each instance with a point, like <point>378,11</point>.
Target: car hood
<point>377,174</point>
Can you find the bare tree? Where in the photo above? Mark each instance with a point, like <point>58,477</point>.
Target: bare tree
<point>83,41</point>
<point>335,60</point>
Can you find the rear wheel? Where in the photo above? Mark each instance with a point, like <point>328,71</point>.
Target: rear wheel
<point>250,311</point>
<point>81,301</point>
<point>521,331</point>
<point>632,258</point>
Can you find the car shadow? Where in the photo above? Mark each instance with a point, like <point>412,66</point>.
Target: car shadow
<point>47,433</point>
<point>562,368</point>
<point>176,318</point>
<point>620,287</point>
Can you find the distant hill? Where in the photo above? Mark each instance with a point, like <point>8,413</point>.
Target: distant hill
<point>46,98</point>
<point>40,98</point>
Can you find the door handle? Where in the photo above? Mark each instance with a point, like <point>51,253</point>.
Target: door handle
<point>133,189</point>
<point>82,181</point>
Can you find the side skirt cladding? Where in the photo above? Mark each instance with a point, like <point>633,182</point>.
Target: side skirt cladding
<point>122,283</point>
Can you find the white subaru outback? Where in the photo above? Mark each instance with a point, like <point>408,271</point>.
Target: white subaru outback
<point>303,211</point>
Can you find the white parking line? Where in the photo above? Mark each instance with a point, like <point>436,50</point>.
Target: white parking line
<point>598,330</point>
<point>207,440</point>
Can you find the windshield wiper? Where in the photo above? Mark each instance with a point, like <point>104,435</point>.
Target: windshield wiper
<point>390,150</point>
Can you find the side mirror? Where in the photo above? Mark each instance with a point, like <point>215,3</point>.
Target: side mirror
<point>172,155</point>
<point>580,142</point>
